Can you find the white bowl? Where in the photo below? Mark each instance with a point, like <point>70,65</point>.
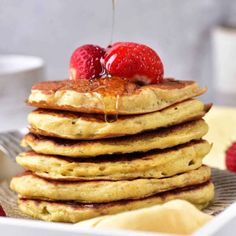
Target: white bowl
<point>17,75</point>
<point>12,64</point>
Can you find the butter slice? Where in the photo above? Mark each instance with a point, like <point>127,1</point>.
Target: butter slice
<point>176,217</point>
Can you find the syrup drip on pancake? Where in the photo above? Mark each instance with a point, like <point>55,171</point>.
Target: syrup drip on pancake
<point>112,118</point>
<point>107,117</point>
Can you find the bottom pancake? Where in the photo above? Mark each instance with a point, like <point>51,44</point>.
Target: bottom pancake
<point>199,195</point>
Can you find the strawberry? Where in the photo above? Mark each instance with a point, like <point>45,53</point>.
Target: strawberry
<point>135,61</point>
<point>2,212</point>
<point>230,159</point>
<point>85,62</point>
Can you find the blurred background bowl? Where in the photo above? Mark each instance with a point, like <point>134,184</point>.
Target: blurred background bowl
<point>17,75</point>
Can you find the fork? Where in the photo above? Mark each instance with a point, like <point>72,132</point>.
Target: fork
<point>10,144</point>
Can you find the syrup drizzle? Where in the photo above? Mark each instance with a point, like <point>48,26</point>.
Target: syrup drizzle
<point>117,106</point>
<point>112,118</point>
<point>107,117</point>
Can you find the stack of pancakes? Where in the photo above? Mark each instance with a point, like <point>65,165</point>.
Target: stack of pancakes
<point>109,145</point>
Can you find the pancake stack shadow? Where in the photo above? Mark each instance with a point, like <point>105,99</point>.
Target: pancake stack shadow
<point>82,165</point>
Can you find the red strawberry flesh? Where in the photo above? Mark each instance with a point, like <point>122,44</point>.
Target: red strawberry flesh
<point>2,213</point>
<point>85,62</point>
<point>230,159</point>
<point>134,61</point>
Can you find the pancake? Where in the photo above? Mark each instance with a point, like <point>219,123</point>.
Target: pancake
<point>153,164</point>
<point>111,95</point>
<point>199,195</point>
<point>32,186</point>
<point>157,139</point>
<point>71,125</point>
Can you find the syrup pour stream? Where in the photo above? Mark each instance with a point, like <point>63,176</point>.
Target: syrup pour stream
<point>113,20</point>
<point>112,118</point>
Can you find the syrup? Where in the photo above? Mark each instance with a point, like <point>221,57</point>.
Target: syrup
<point>107,117</point>
<point>117,106</point>
<point>113,20</point>
<point>112,118</point>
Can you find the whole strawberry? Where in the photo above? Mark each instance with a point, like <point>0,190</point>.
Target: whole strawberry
<point>85,62</point>
<point>2,213</point>
<point>135,61</point>
<point>230,159</point>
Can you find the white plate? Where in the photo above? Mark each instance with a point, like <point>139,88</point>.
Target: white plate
<point>225,188</point>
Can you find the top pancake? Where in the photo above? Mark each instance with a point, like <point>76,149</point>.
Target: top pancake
<point>111,95</point>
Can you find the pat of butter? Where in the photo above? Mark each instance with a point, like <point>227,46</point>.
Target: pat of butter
<point>8,167</point>
<point>176,217</point>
